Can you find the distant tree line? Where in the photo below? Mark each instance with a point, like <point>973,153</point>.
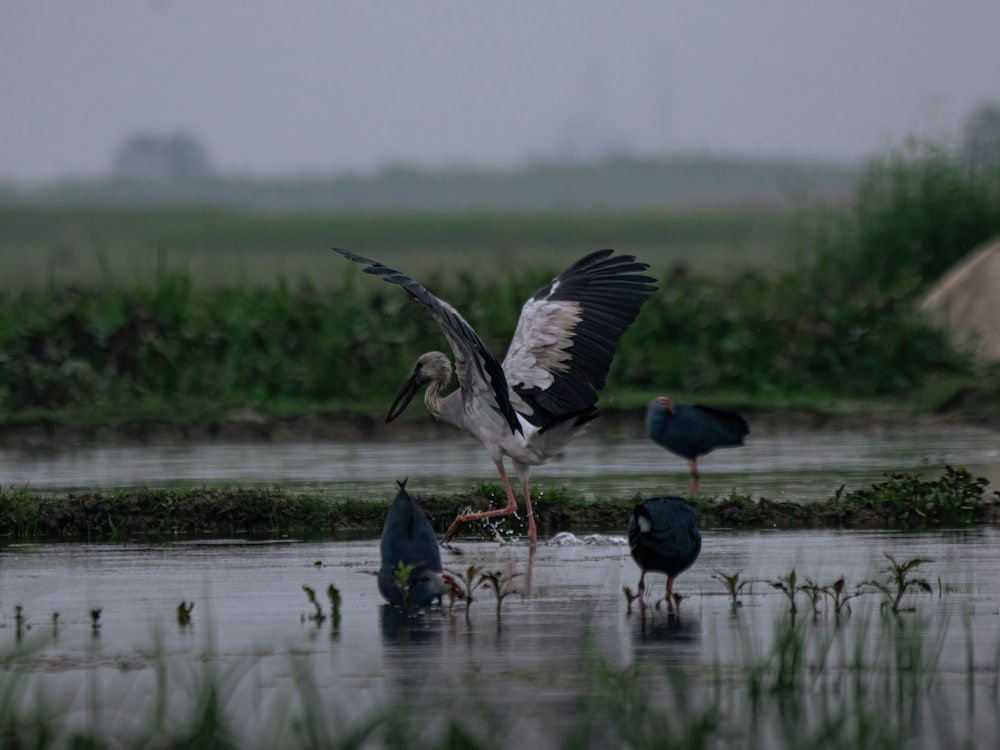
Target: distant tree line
<point>173,157</point>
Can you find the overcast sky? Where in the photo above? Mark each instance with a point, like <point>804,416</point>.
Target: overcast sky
<point>318,85</point>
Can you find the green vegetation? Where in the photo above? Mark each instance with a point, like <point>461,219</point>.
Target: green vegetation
<point>183,612</point>
<point>954,498</point>
<point>957,497</point>
<point>502,585</point>
<point>171,348</point>
<point>787,586</point>
<point>122,248</point>
<point>734,586</point>
<point>896,581</point>
<point>917,212</point>
<point>831,316</point>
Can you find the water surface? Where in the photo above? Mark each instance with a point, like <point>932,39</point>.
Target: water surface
<point>796,466</point>
<point>249,608</point>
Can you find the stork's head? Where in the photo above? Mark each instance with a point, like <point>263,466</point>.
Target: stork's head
<point>432,367</point>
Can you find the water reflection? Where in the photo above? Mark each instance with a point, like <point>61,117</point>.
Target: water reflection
<point>402,627</point>
<point>665,627</point>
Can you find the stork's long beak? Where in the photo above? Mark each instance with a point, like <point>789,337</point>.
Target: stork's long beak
<point>404,396</point>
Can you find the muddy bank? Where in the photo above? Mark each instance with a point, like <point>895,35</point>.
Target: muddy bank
<point>247,425</point>
<point>900,502</point>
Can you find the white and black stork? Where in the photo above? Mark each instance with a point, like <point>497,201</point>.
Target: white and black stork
<point>545,392</point>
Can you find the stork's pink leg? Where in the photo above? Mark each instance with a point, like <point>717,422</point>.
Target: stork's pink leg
<point>530,572</point>
<point>511,508</point>
<point>693,466</point>
<point>642,588</point>
<point>532,531</point>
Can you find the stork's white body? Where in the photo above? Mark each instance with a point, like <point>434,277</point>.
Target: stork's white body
<point>545,391</point>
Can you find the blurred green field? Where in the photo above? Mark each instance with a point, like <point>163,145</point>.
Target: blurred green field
<point>174,311</point>
<point>98,246</point>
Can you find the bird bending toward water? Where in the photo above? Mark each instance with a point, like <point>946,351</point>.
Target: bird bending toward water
<point>663,536</point>
<point>545,391</point>
<point>692,430</point>
<point>408,540</point>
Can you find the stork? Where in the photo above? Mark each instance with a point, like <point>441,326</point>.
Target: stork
<point>545,392</point>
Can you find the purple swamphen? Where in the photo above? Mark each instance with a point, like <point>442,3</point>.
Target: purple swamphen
<point>663,536</point>
<point>692,430</point>
<point>408,540</point>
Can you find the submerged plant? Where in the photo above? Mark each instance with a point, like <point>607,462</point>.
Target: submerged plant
<point>333,594</point>
<point>733,585</point>
<point>837,592</point>
<point>898,581</point>
<point>318,615</point>
<point>629,598</point>
<point>401,580</point>
<point>814,592</point>
<point>184,613</point>
<point>502,585</point>
<point>468,583</point>
<point>787,585</point>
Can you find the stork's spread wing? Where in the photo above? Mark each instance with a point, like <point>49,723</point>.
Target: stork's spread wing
<point>475,366</point>
<point>567,334</point>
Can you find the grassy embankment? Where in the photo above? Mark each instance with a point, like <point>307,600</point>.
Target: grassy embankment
<point>902,501</point>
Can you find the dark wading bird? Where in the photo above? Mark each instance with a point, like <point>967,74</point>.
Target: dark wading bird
<point>663,536</point>
<point>692,430</point>
<point>545,391</point>
<point>408,540</point>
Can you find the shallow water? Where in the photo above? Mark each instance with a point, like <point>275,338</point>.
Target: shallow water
<point>249,605</point>
<point>796,466</point>
<point>528,665</point>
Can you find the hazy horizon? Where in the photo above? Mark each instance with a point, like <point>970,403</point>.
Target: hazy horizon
<point>273,89</point>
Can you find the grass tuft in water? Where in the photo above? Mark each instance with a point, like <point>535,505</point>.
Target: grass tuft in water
<point>333,594</point>
<point>733,585</point>
<point>502,585</point>
<point>896,581</point>
<point>317,616</point>
<point>468,582</point>
<point>788,586</point>
<point>184,610</point>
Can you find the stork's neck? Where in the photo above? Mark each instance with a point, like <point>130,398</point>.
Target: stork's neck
<point>443,408</point>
